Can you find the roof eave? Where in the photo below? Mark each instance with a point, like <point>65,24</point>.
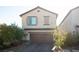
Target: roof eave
<point>36,8</point>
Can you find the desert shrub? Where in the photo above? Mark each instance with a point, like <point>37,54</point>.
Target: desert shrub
<point>66,40</point>
<point>10,34</point>
<point>69,40</point>
<point>76,39</point>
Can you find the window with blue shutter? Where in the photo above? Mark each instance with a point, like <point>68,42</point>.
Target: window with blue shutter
<point>32,20</point>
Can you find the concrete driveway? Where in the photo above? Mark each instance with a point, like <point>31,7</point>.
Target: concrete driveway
<point>31,48</point>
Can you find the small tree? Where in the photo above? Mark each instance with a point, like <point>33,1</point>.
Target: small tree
<point>6,33</point>
<point>59,38</point>
<point>18,32</point>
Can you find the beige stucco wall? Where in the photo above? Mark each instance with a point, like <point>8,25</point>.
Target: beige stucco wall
<point>40,17</point>
<point>75,18</point>
<point>65,26</point>
<point>70,21</point>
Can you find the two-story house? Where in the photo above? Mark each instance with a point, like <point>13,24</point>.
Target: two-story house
<point>39,25</point>
<point>70,23</point>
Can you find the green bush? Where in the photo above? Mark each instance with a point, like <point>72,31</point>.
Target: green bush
<point>65,40</point>
<point>69,40</point>
<point>10,34</point>
<point>76,39</point>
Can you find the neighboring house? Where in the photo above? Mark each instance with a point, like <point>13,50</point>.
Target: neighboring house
<point>70,23</point>
<point>39,25</point>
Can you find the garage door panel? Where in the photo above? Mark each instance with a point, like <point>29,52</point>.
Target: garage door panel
<point>41,37</point>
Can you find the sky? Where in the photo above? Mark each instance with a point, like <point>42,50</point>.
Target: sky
<point>11,9</point>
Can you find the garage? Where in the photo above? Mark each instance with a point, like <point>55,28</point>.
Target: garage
<point>41,37</point>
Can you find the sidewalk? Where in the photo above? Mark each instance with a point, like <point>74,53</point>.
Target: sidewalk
<point>66,50</point>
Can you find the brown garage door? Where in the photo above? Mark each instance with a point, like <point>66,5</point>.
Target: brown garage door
<point>41,37</point>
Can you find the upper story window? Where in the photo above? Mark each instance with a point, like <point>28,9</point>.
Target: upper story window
<point>46,20</point>
<point>32,20</point>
